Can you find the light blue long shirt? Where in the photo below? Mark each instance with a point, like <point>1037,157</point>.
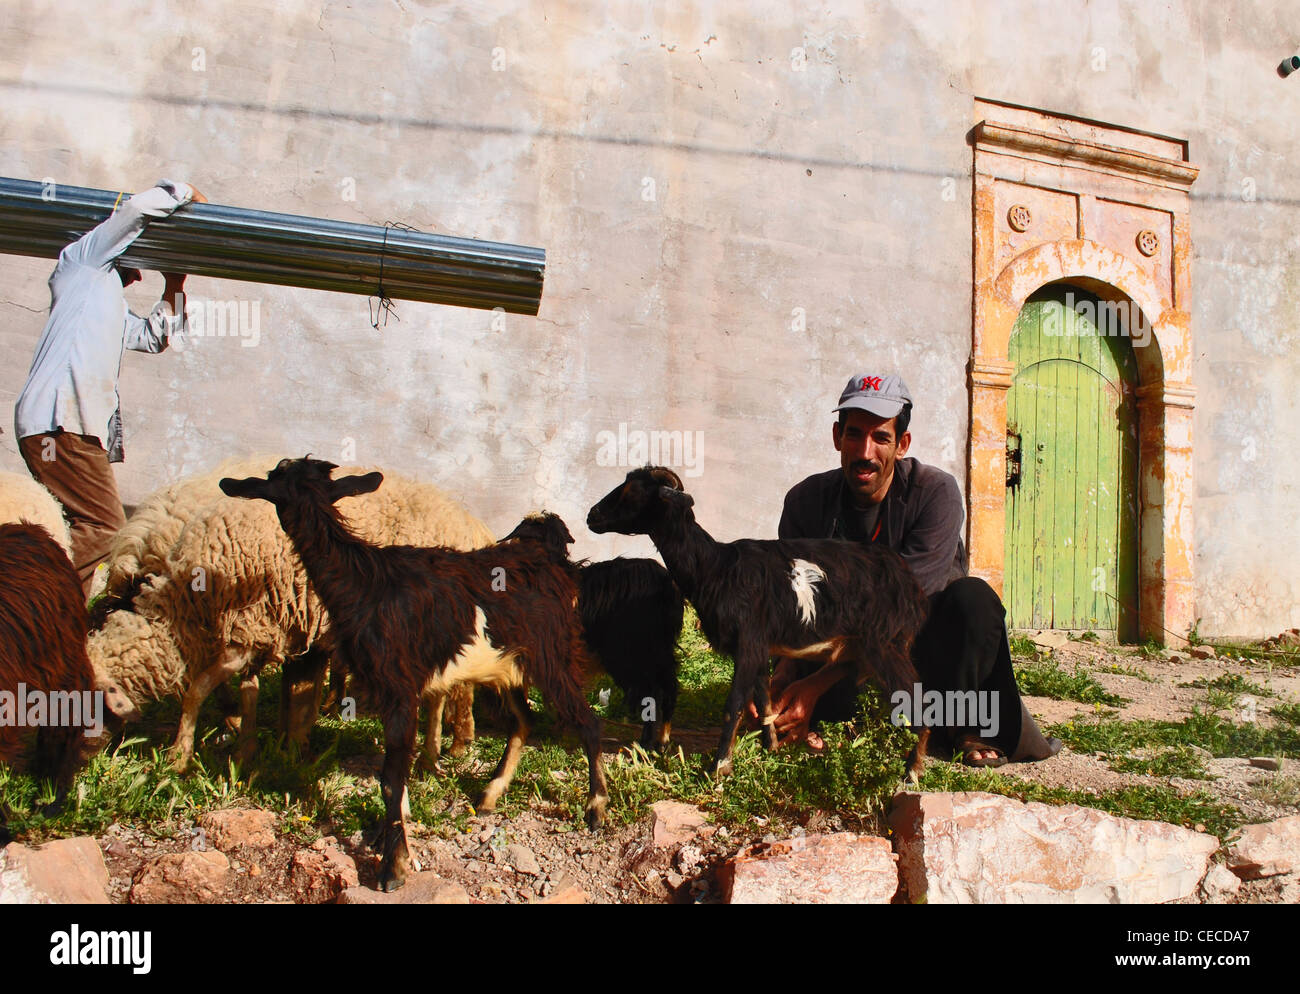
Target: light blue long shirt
<point>73,380</point>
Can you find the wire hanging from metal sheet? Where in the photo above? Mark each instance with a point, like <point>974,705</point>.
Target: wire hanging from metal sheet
<point>378,302</point>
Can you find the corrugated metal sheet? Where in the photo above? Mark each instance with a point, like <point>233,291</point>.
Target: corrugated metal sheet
<point>287,249</point>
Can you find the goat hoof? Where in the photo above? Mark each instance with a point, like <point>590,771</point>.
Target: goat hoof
<point>458,749</point>
<point>391,880</point>
<point>595,818</point>
<point>484,805</point>
<point>721,769</point>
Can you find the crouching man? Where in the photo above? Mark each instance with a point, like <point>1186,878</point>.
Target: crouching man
<point>879,495</point>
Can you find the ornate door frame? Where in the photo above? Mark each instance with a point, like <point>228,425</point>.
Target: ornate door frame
<point>1058,198</point>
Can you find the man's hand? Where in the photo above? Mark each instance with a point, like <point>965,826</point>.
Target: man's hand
<point>794,710</point>
<point>173,295</point>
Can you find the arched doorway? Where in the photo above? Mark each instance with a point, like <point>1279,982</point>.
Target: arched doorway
<point>1071,554</point>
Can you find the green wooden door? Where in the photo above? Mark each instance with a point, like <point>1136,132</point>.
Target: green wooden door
<point>1071,526</point>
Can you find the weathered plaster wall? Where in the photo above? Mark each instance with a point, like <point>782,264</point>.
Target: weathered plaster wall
<point>841,188</point>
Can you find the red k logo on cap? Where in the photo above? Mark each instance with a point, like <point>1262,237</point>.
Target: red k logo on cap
<point>870,383</point>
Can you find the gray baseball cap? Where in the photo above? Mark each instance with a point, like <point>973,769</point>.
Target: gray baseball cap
<point>883,396</point>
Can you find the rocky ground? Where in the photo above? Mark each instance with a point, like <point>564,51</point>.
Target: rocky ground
<point>673,855</point>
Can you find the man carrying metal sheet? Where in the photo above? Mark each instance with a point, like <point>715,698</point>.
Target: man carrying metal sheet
<point>68,417</point>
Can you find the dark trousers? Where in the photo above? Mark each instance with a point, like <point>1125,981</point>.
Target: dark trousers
<point>75,469</point>
<point>962,646</point>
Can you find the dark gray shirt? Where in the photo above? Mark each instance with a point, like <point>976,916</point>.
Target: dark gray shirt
<point>921,519</point>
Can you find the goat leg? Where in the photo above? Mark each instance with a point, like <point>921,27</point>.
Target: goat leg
<point>763,705</point>
<point>399,744</point>
<point>435,701</point>
<point>750,661</point>
<point>505,771</point>
<point>461,699</point>
<point>916,758</point>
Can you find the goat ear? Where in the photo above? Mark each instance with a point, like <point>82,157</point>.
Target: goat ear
<point>351,486</point>
<point>676,496</point>
<point>249,487</point>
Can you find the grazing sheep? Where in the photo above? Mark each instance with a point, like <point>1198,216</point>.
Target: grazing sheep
<point>232,598</point>
<point>631,620</point>
<point>23,499</point>
<point>43,655</point>
<point>804,598</point>
<point>405,618</point>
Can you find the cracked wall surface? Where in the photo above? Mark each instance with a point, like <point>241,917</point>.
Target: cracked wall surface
<point>742,206</point>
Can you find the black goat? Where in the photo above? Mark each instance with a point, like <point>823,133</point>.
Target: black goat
<point>407,619</point>
<point>822,599</point>
<point>631,620</point>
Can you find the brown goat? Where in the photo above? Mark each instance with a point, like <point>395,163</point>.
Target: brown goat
<point>43,655</point>
<point>407,619</point>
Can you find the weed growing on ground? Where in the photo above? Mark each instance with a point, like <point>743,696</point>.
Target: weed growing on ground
<point>1133,671</point>
<point>1023,647</point>
<point>1232,683</point>
<point>1047,679</point>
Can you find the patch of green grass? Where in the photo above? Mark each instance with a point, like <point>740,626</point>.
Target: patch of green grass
<point>1047,679</point>
<point>704,676</point>
<point>1151,803</point>
<point>1134,671</point>
<point>1151,649</point>
<point>1089,637</point>
<point>1254,652</point>
<point>1194,634</point>
<point>1287,711</point>
<point>1219,735</point>
<point>1232,683</point>
<point>1176,761</point>
<point>1023,647</point>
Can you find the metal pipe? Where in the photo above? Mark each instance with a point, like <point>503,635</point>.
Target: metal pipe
<point>286,249</point>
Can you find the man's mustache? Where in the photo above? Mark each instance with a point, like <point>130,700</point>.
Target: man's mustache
<point>865,464</point>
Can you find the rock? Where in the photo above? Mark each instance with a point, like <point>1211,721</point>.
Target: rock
<point>674,879</point>
<point>1266,762</point>
<point>687,859</point>
<point>564,891</point>
<point>420,888</point>
<point>181,878</point>
<point>978,848</point>
<point>673,823</point>
<point>1202,652</point>
<point>319,876</point>
<point>1049,639</point>
<point>1219,884</point>
<point>238,827</point>
<point>843,868</point>
<point>1266,850</point>
<point>65,871</point>
<point>522,859</point>
<point>495,892</point>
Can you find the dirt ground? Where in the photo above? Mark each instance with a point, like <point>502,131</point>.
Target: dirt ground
<point>621,865</point>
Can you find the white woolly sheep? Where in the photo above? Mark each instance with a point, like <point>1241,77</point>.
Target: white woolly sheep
<point>23,499</point>
<point>234,598</point>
